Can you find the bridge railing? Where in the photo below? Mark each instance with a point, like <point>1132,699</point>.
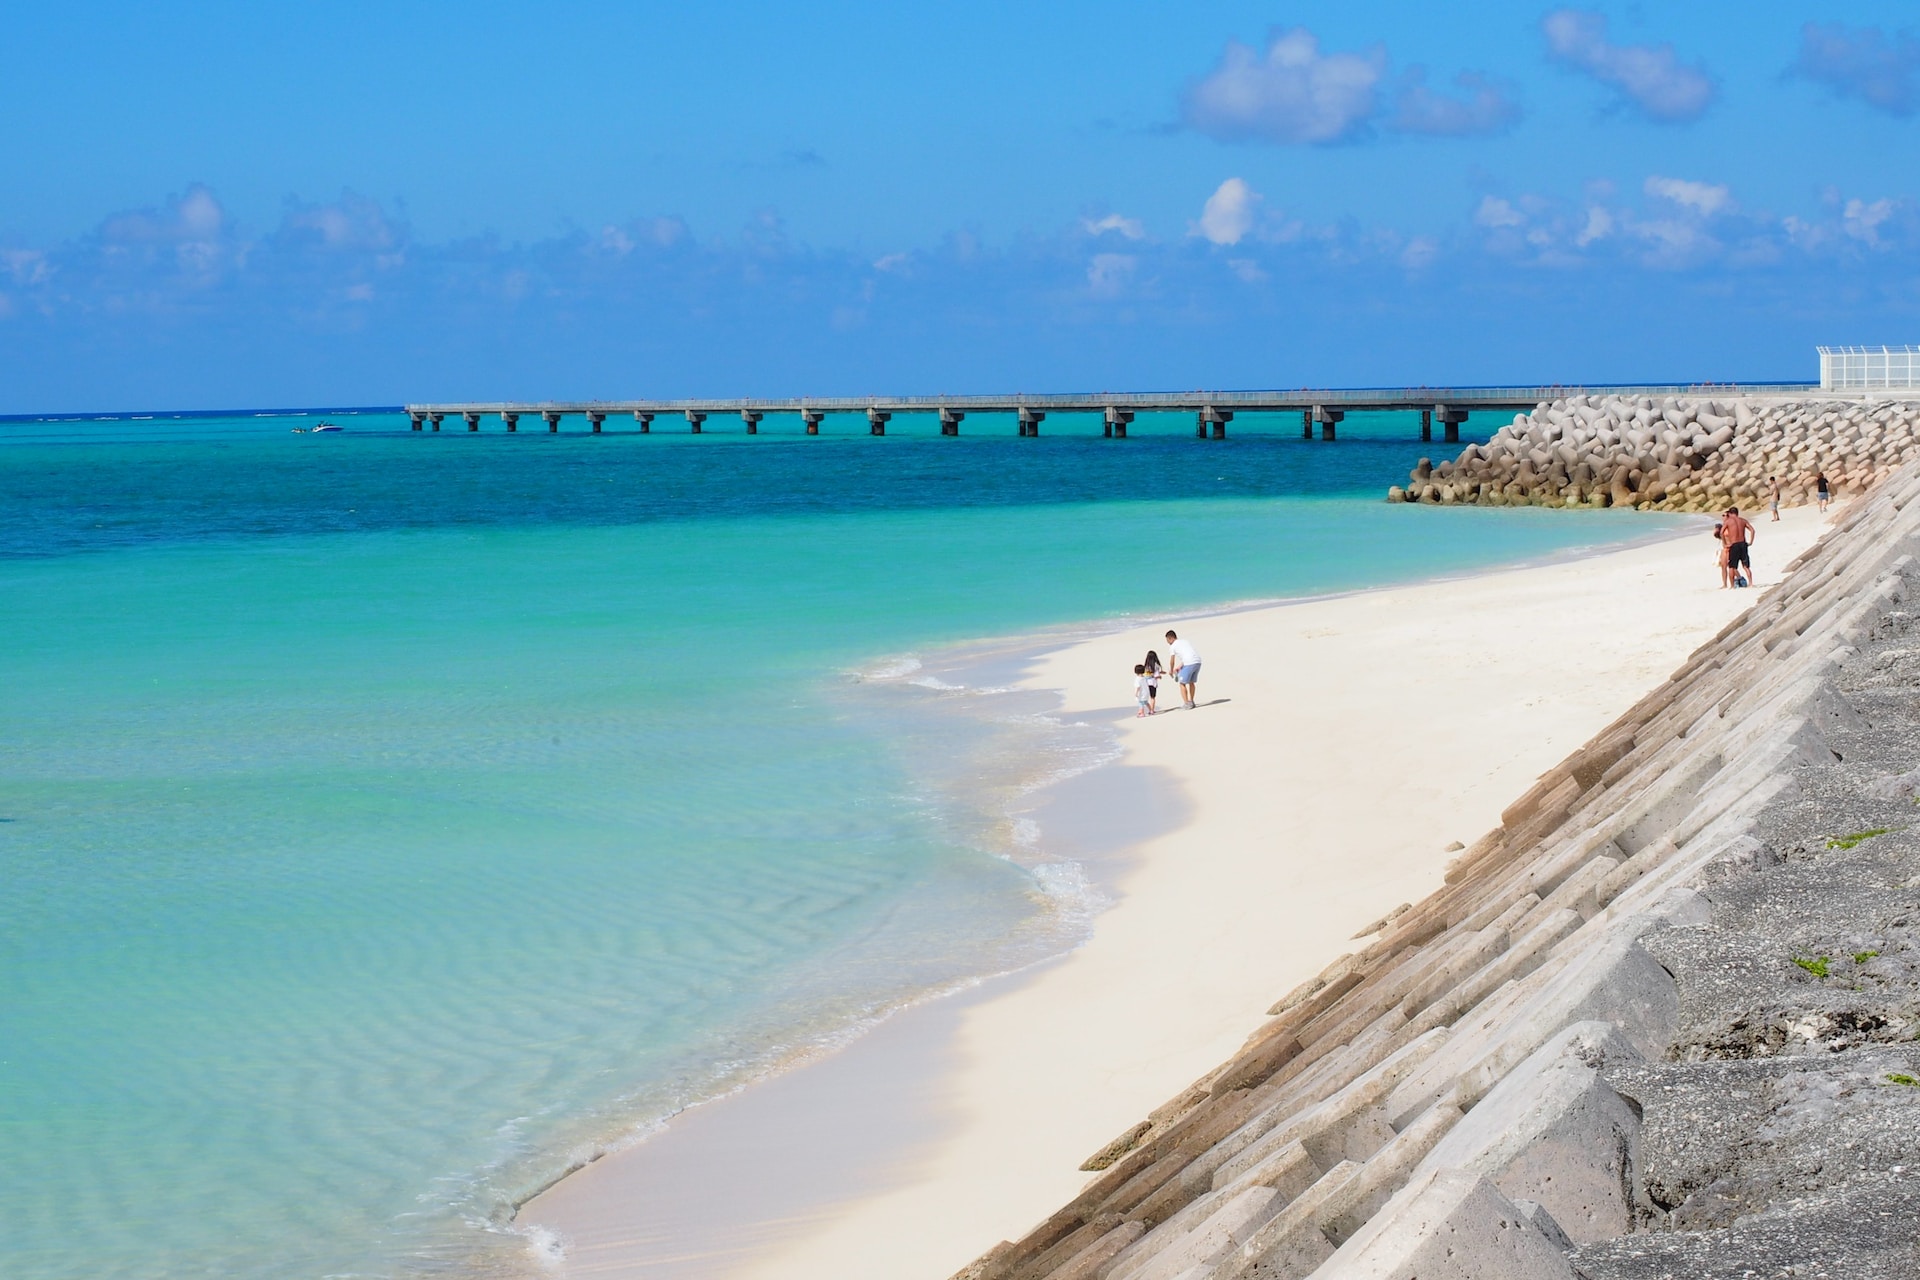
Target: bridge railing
<point>1094,401</point>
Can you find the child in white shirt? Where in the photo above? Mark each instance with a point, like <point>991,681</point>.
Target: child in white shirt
<point>1140,692</point>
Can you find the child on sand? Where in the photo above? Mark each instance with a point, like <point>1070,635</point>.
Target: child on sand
<point>1140,689</point>
<point>1153,681</point>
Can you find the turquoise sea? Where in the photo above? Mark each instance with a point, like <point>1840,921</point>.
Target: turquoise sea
<point>388,819</point>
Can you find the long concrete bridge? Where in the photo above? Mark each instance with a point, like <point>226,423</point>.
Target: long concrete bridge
<point>1320,410</point>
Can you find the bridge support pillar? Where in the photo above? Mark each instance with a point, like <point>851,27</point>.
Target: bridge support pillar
<point>1217,419</point>
<point>415,419</point>
<point>553,421</point>
<point>1426,425</point>
<point>877,422</point>
<point>1306,424</point>
<point>752,418</point>
<point>645,421</point>
<point>1329,420</point>
<point>1450,420</point>
<point>512,420</point>
<point>950,422</point>
<point>473,421</point>
<point>1117,420</point>
<point>694,420</point>
<point>1030,422</point>
<point>594,420</point>
<point>811,417</point>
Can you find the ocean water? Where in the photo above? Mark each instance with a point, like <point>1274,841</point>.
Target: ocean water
<point>389,820</point>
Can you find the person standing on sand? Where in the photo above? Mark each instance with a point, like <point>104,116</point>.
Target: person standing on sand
<point>1186,667</point>
<point>1140,689</point>
<point>1720,553</point>
<point>1152,664</point>
<point>1773,497</point>
<point>1737,534</point>
<point>1822,491</point>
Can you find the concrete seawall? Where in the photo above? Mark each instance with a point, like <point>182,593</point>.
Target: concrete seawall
<point>1675,453</point>
<point>1660,1021</point>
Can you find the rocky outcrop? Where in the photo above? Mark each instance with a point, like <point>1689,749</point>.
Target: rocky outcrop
<point>1659,1022</point>
<point>1673,454</point>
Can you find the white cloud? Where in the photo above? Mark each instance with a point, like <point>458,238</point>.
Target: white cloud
<point>193,218</point>
<point>1495,212</point>
<point>1674,244</point>
<point>191,231</point>
<point>1228,214</point>
<point>1419,252</point>
<point>1294,93</point>
<point>1247,269</point>
<point>352,222</point>
<point>1650,77</point>
<point>1109,273</point>
<point>891,262</point>
<point>1866,64</point>
<point>1599,227</point>
<point>1128,228</point>
<point>1291,94</point>
<point>1862,220</point>
<point>1704,198</point>
<point>1483,107</point>
<point>26,266</point>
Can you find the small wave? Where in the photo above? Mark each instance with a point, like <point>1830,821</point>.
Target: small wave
<point>546,1246</point>
<point>1074,898</point>
<point>892,669</point>
<point>1087,763</point>
<point>938,685</point>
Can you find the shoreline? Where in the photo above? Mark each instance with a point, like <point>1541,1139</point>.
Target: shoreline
<point>976,1135</point>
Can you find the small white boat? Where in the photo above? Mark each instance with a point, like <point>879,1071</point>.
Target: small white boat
<point>324,426</point>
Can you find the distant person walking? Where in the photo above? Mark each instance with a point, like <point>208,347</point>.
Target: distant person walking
<point>1823,491</point>
<point>1152,664</point>
<point>1186,667</point>
<point>1738,535</point>
<point>1773,497</point>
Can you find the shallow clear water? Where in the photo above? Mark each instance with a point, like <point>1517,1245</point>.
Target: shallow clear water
<point>387,819</point>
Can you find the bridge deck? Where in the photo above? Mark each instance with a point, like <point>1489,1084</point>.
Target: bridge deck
<point>1345,399</point>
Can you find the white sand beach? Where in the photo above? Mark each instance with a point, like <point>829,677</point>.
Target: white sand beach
<point>1340,746</point>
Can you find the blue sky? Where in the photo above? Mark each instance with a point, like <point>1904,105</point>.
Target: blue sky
<point>268,204</point>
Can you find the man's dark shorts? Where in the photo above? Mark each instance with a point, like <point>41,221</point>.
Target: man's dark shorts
<point>1737,556</point>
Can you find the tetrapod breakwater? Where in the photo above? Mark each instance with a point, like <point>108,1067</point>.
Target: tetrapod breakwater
<point>1674,453</point>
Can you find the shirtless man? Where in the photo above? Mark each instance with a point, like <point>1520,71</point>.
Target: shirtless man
<point>1738,535</point>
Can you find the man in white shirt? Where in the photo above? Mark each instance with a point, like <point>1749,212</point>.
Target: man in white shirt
<point>1186,667</point>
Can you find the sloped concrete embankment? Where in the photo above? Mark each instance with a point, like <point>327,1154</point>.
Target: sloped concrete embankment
<point>1674,454</point>
<point>1656,1023</point>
